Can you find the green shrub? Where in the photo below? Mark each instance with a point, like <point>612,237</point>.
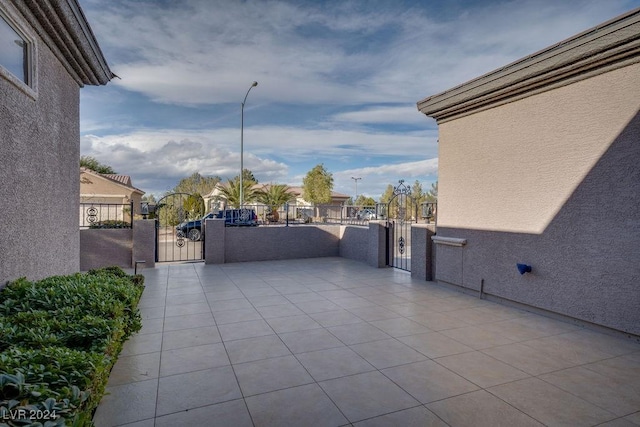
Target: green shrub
<point>59,339</point>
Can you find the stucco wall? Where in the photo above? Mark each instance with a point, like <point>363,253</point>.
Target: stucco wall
<point>39,190</point>
<point>106,247</point>
<point>552,180</point>
<point>273,243</point>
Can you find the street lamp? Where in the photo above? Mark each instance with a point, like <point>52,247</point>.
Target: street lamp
<point>356,180</point>
<point>254,84</point>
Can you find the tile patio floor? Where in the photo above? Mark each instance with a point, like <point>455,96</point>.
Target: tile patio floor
<point>333,342</point>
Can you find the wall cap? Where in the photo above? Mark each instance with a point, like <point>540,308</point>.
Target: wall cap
<point>449,241</point>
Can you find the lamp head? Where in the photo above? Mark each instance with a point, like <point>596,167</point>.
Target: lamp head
<point>254,84</point>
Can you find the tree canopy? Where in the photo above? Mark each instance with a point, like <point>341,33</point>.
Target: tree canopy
<point>196,184</point>
<point>317,185</point>
<point>93,164</point>
<point>274,196</point>
<point>231,192</point>
<point>364,201</point>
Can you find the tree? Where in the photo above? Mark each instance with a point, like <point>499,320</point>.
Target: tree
<point>365,201</point>
<point>274,196</point>
<point>231,192</point>
<point>317,185</point>
<point>93,164</point>
<point>387,195</point>
<point>432,195</point>
<point>247,175</point>
<point>196,184</point>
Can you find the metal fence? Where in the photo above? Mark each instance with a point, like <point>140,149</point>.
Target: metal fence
<point>290,214</point>
<point>106,215</point>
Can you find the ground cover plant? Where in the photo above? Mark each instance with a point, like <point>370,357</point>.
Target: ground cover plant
<point>59,339</point>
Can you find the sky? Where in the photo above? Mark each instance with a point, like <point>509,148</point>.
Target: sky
<point>338,82</point>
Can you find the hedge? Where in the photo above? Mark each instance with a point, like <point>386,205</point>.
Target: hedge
<point>59,339</point>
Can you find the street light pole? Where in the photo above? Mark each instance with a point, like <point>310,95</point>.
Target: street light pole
<point>254,84</point>
<point>356,180</point>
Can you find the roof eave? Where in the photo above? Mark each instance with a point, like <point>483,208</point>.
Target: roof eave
<point>611,45</point>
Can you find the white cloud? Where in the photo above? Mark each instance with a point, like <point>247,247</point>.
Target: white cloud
<point>204,51</point>
<point>376,115</point>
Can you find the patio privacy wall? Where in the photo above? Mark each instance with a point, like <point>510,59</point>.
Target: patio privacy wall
<point>241,244</point>
<point>120,247</point>
<point>539,163</point>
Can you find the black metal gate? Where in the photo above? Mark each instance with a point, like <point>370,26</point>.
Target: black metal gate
<point>180,228</point>
<point>402,211</point>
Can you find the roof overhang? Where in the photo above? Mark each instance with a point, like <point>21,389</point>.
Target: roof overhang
<point>63,27</point>
<point>611,45</point>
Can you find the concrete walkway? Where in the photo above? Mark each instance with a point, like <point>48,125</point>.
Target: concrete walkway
<point>333,342</point>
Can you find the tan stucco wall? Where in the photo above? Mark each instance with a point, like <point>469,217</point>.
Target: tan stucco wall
<point>553,181</point>
<point>101,190</point>
<point>39,189</point>
<point>512,168</point>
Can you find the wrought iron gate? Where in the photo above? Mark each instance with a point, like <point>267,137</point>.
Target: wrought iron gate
<point>402,211</point>
<point>180,228</point>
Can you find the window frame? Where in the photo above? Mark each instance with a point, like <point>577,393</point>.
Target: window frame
<point>17,23</point>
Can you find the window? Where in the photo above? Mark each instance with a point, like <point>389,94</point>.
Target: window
<point>14,52</point>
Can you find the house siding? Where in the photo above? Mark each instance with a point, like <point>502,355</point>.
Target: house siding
<point>551,180</point>
<point>39,155</point>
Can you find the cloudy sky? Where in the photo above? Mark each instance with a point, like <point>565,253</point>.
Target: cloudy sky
<point>338,82</point>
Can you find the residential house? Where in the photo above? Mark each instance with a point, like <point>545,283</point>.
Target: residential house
<point>216,200</point>
<point>47,53</point>
<point>107,192</point>
<point>539,165</point>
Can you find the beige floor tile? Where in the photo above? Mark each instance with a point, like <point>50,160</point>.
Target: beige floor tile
<point>595,383</point>
<point>258,348</point>
<point>481,369</point>
<point>236,315</point>
<point>435,344</point>
<point>176,323</point>
<point>367,395</point>
<point>549,404</point>
<point>271,374</point>
<point>533,361</point>
<point>189,359</point>
<point>141,344</point>
<point>413,417</point>
<point>428,381</point>
<point>135,368</point>
<point>358,333</point>
<point>400,327</point>
<point>233,413</point>
<point>305,405</point>
<point>190,337</point>
<point>438,321</point>
<point>241,330</point>
<point>127,403</point>
<point>476,337</point>
<point>184,309</point>
<point>280,310</point>
<point>564,348</point>
<point>333,363</point>
<point>480,409</point>
<point>196,389</point>
<point>335,318</point>
<point>310,340</point>
<point>386,353</point>
<point>301,322</point>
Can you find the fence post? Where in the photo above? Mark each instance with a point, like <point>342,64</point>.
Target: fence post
<point>131,214</point>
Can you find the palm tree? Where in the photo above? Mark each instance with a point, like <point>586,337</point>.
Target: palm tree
<point>274,196</point>
<point>231,192</point>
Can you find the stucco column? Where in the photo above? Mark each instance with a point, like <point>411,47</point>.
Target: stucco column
<point>422,251</point>
<point>144,242</point>
<point>377,248</point>
<point>214,247</point>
